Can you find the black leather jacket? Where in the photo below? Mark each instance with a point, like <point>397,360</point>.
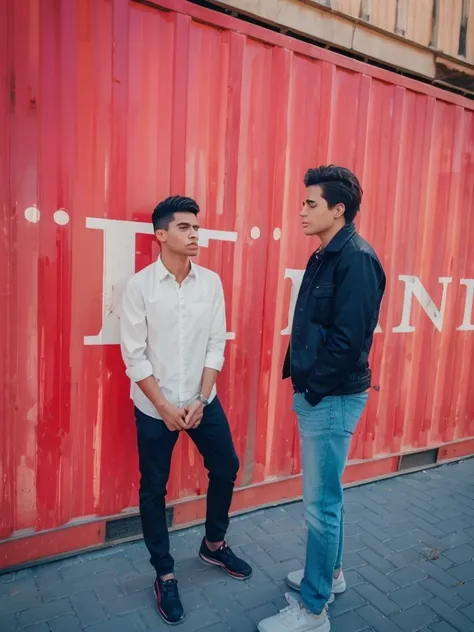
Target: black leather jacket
<point>335,316</point>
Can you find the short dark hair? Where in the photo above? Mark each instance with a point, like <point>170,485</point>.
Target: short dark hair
<point>163,213</point>
<point>339,186</point>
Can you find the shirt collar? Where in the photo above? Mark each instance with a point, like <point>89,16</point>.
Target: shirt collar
<point>163,272</point>
<point>341,238</point>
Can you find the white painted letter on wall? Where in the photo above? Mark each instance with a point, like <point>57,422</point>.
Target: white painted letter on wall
<point>414,288</point>
<point>467,324</point>
<point>119,266</point>
<point>296,277</point>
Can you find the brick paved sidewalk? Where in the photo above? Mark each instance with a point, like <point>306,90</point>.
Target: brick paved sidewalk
<point>409,565</point>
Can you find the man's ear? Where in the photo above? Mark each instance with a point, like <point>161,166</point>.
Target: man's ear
<point>161,235</point>
<point>339,209</point>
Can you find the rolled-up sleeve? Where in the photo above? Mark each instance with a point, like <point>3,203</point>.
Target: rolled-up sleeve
<point>133,333</point>
<point>216,344</point>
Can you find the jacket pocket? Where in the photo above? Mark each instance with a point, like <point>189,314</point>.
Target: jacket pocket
<point>322,300</point>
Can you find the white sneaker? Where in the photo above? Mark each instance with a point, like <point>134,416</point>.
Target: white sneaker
<point>295,618</point>
<point>338,583</point>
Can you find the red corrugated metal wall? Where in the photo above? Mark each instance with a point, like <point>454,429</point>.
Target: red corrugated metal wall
<point>107,107</point>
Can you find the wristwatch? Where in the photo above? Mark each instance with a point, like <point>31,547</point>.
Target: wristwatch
<point>203,400</point>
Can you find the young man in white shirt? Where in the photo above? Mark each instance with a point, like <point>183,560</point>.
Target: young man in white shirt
<point>173,333</point>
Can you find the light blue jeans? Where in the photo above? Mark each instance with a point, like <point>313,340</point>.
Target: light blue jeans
<point>326,431</point>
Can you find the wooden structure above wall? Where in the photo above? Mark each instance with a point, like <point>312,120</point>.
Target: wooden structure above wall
<point>429,39</point>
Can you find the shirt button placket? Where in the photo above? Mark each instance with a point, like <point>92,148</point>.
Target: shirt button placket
<point>180,339</point>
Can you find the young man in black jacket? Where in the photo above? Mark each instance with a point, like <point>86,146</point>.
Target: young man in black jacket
<point>335,317</point>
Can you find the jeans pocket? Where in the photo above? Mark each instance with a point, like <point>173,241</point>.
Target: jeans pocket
<point>300,404</point>
<point>352,408</point>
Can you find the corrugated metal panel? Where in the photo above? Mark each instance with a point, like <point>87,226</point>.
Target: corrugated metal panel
<point>112,106</point>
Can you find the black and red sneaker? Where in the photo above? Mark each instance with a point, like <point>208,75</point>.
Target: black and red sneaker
<point>226,559</point>
<point>168,602</point>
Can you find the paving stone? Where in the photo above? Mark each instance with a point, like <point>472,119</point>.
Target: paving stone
<point>288,552</point>
<point>379,521</point>
<point>127,623</point>
<point>404,558</point>
<point>354,529</point>
<point>454,540</point>
<point>400,529</point>
<point>466,591</point>
<point>254,597</point>
<point>20,587</point>
<point>255,534</point>
<point>130,603</point>
<point>449,595</point>
<point>68,623</point>
<point>353,578</point>
<point>47,574</point>
<point>279,571</point>
<point>377,599</point>
<point>375,544</point>
<point>9,622</point>
<point>262,612</point>
<point>239,621</point>
<point>59,590</point>
<point>348,621</point>
<point>45,612</point>
<point>403,542</point>
<point>440,562</point>
<point>376,620</point>
<point>438,574</point>
<point>286,538</point>
<point>375,507</point>
<point>455,524</point>
<point>151,618</point>
<point>464,572</point>
<point>199,618</point>
<point>350,600</point>
<point>353,560</point>
<point>85,569</point>
<point>427,517</point>
<point>38,627</point>
<point>258,578</point>
<point>441,627</point>
<point>87,607</point>
<point>218,627</point>
<point>407,576</point>
<point>427,539</point>
<point>383,582</point>
<point>377,561</point>
<point>411,596</point>
<point>7,578</point>
<point>107,592</point>
<point>137,582</point>
<point>450,615</point>
<point>468,612</point>
<point>262,559</point>
<point>369,527</point>
<point>16,601</point>
<point>414,619</point>
<point>429,528</point>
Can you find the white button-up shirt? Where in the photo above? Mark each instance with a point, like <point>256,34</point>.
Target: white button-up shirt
<point>172,332</point>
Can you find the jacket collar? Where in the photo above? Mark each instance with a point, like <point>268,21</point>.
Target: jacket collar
<point>341,238</point>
